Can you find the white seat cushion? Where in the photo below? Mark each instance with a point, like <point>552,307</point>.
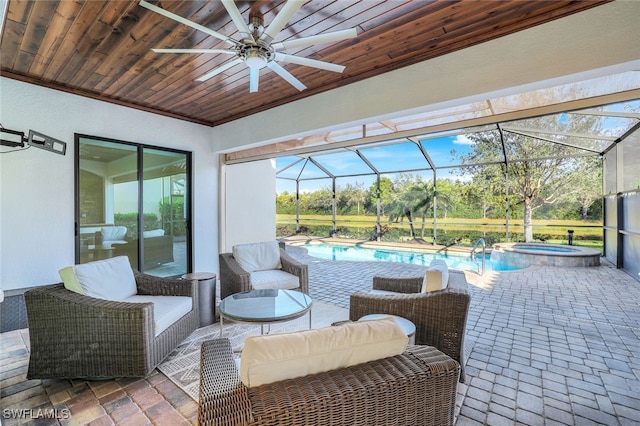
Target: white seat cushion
<point>258,256</point>
<point>166,309</point>
<point>276,278</point>
<point>109,279</point>
<point>275,357</point>
<point>153,233</point>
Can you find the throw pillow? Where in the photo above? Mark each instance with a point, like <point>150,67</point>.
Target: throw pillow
<point>436,277</point>
<point>109,279</point>
<point>275,357</point>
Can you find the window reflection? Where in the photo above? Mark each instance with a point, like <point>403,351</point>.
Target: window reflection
<point>119,216</point>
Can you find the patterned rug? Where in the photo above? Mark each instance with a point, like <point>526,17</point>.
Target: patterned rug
<point>182,366</point>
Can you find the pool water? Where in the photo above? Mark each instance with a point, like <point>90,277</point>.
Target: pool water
<point>358,253</point>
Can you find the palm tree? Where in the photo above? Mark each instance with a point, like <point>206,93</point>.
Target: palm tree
<point>400,207</point>
<point>410,195</point>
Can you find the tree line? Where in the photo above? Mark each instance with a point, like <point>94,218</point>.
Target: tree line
<point>455,199</point>
<point>504,173</point>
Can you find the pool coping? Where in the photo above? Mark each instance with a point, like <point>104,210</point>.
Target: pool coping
<point>414,246</point>
<point>574,256</point>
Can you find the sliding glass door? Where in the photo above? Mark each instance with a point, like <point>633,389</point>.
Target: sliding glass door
<point>133,200</point>
<point>164,210</point>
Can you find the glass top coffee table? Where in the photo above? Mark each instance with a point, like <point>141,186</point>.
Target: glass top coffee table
<point>265,307</point>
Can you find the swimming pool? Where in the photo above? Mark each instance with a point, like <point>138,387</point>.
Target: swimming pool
<point>463,262</point>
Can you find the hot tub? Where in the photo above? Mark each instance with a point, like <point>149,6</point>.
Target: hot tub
<point>522,255</point>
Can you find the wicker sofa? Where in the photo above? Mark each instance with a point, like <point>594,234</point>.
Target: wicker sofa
<point>440,316</point>
<point>77,336</point>
<point>417,387</point>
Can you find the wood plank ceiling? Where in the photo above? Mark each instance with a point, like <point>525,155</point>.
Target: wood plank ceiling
<point>101,49</point>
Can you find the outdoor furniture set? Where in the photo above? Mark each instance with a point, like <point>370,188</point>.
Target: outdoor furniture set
<point>413,385</point>
<point>105,320</point>
<point>103,242</point>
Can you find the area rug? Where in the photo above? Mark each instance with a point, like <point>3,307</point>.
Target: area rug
<point>182,366</point>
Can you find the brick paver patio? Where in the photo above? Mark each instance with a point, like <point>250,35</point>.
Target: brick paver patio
<point>546,346</point>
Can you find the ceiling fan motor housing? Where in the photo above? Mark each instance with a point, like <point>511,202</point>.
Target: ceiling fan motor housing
<point>256,25</point>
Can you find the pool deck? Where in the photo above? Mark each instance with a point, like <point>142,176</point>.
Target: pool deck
<point>545,346</point>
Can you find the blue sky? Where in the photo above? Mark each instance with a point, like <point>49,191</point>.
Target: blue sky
<point>406,156</point>
<point>387,159</point>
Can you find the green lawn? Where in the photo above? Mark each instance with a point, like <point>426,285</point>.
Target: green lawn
<point>586,233</point>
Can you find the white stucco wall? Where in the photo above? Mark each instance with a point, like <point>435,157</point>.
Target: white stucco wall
<point>37,195</point>
<point>248,208</point>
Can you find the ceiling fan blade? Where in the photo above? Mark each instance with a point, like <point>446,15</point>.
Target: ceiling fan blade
<point>185,21</point>
<point>227,51</point>
<point>286,75</point>
<point>316,39</point>
<point>290,8</point>
<point>328,66</point>
<point>237,19</point>
<point>220,69</point>
<point>254,76</point>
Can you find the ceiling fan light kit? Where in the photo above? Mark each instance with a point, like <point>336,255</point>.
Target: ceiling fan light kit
<point>255,49</point>
<point>255,59</point>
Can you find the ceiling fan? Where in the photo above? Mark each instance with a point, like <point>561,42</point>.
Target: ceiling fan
<point>256,48</point>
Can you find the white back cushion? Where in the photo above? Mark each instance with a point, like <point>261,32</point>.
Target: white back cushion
<point>275,357</point>
<point>110,279</point>
<point>258,256</point>
<point>437,276</point>
<point>113,233</point>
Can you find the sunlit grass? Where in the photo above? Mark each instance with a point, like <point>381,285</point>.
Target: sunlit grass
<point>552,228</point>
<point>460,231</point>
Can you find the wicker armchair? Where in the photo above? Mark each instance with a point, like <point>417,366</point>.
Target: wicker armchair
<point>415,388</point>
<point>77,336</point>
<point>234,279</point>
<point>440,316</point>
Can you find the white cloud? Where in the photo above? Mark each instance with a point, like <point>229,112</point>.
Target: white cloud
<point>463,140</point>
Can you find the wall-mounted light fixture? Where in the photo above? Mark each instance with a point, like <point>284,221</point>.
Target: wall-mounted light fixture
<point>48,143</point>
<point>15,138</point>
<point>12,138</point>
